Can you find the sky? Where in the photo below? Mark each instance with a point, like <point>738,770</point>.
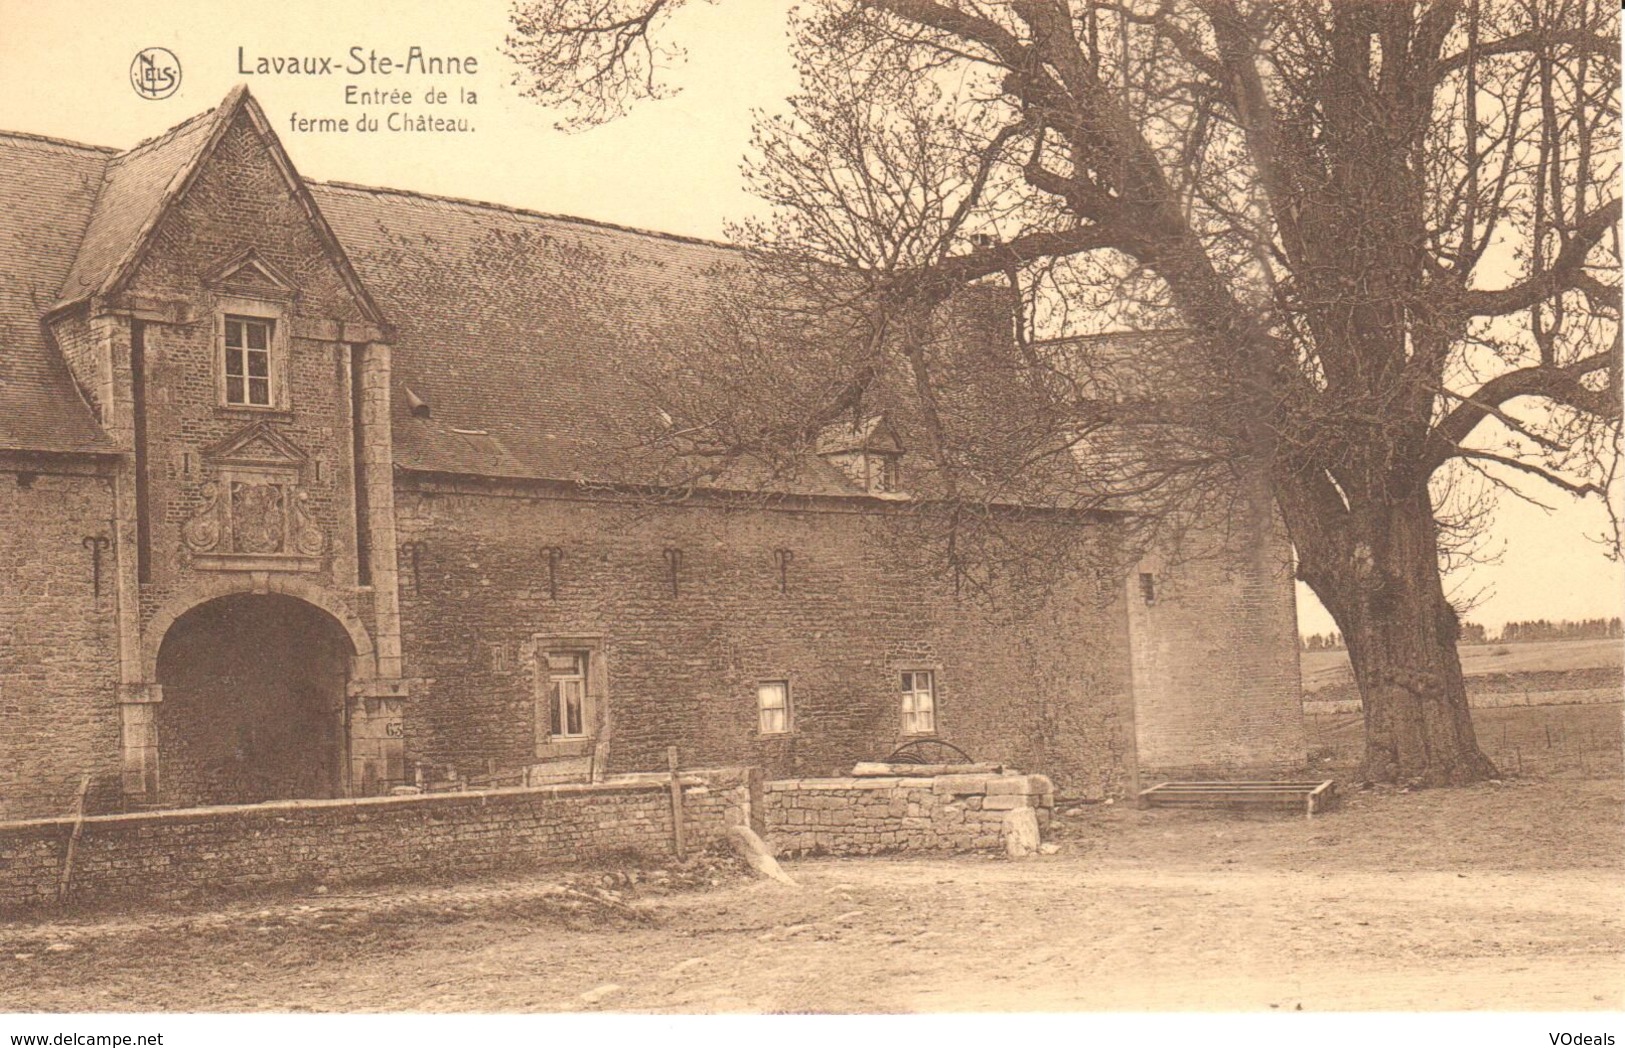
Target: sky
<point>671,165</point>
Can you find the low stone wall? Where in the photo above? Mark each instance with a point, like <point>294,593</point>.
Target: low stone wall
<point>867,816</point>
<point>168,853</point>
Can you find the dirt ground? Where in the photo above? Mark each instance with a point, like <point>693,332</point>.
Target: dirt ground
<point>1492,897</point>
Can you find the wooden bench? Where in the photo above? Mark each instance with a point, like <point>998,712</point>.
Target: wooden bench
<point>1307,797</point>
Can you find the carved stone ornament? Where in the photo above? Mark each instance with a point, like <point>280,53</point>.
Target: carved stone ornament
<point>254,516</point>
<point>307,534</point>
<point>258,525</point>
<point>202,533</point>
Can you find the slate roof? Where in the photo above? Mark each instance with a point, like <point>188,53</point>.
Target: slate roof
<point>521,333</point>
<point>519,326</point>
<point>75,214</point>
<point>513,325</point>
<point>133,189</point>
<point>47,191</point>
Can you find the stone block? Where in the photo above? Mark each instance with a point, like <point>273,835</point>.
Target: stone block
<point>959,785</point>
<point>1000,785</point>
<point>1020,833</point>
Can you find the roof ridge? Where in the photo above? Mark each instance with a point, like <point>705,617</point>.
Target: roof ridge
<point>512,209</point>
<point>28,136</point>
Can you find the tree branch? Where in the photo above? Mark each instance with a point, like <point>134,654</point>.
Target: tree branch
<point>1535,40</point>
<point>1558,277</point>
<point>1560,385</point>
<point>1580,490</point>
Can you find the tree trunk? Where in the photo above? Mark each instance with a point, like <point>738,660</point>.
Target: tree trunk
<point>1401,633</point>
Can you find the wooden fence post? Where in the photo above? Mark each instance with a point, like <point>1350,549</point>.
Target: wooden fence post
<point>73,841</point>
<point>676,804</point>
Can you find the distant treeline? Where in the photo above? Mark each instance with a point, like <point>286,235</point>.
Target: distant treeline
<point>1512,632</point>
<point>1563,629</point>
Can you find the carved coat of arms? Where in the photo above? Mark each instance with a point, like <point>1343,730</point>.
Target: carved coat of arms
<point>253,507</point>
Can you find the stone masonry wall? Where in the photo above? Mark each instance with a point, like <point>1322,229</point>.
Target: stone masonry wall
<point>1215,654</point>
<point>58,639</point>
<point>167,853</point>
<point>1035,679</point>
<point>866,816</point>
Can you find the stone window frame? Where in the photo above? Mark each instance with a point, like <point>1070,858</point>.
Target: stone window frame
<point>274,313</point>
<point>596,705</point>
<point>789,723</point>
<point>933,676</point>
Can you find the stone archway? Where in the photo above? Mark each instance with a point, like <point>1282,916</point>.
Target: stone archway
<point>254,701</point>
<point>363,667</point>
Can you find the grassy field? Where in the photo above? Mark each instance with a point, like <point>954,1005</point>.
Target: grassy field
<point>1328,669</point>
<point>1524,741</point>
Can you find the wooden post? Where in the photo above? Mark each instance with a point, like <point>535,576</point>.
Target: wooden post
<point>758,800</point>
<point>73,841</point>
<point>676,803</point>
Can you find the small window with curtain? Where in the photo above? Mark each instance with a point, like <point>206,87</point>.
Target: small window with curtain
<point>567,694</point>
<point>919,702</point>
<point>570,693</point>
<point>773,707</point>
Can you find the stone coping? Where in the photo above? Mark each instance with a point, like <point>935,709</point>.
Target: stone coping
<point>643,782</point>
<point>975,783</point>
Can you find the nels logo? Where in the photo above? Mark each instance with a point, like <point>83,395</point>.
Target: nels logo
<point>155,73</point>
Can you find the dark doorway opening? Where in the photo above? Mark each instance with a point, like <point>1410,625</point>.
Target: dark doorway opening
<point>254,703</point>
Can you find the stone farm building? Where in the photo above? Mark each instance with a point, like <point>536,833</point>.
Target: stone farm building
<point>297,499</point>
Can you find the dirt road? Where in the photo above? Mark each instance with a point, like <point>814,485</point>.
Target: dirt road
<point>1504,898</point>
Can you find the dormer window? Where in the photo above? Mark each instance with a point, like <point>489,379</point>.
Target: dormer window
<point>248,361</point>
<point>866,451</point>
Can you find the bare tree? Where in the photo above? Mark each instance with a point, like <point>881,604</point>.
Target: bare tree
<point>1388,229</point>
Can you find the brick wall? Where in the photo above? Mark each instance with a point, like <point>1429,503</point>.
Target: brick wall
<point>1036,680</point>
<point>867,816</point>
<point>158,854</point>
<point>58,639</point>
<point>240,202</point>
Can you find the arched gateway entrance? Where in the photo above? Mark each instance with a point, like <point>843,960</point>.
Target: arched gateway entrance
<point>253,702</point>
